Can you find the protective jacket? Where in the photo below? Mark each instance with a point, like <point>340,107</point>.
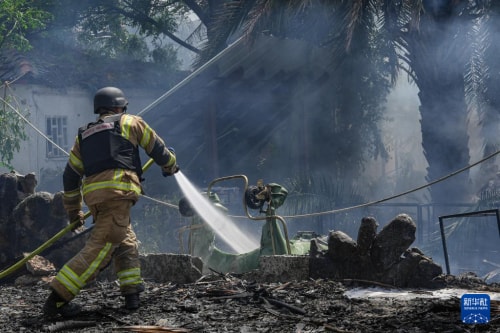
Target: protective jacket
<point>103,147</point>
<point>104,166</point>
<point>104,161</point>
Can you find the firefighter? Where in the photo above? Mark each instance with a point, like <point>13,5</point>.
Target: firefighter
<point>104,169</point>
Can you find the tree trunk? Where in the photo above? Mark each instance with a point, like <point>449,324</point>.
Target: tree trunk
<point>437,59</point>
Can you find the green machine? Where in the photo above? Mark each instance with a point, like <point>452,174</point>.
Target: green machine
<point>274,236</point>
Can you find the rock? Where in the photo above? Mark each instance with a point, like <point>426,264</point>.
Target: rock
<point>177,268</point>
<point>39,266</point>
<point>340,246</point>
<point>382,257</point>
<point>35,220</point>
<point>28,219</point>
<point>30,280</point>
<point>8,200</point>
<point>426,273</point>
<point>8,195</point>
<point>282,268</point>
<point>31,222</point>
<point>392,241</point>
<point>366,235</point>
<point>413,270</point>
<point>13,189</point>
<point>26,184</point>
<point>165,267</point>
<point>342,260</point>
<point>57,206</point>
<point>27,280</point>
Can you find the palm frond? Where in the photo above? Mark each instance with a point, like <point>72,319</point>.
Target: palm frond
<point>227,19</point>
<point>476,70</point>
<point>249,18</point>
<point>488,76</point>
<point>352,19</point>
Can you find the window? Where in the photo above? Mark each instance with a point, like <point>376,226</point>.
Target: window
<point>57,131</point>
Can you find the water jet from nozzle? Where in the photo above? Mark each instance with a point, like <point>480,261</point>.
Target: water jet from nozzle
<point>220,223</point>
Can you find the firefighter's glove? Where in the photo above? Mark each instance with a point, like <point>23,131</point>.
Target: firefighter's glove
<point>172,167</point>
<point>169,171</point>
<point>76,216</point>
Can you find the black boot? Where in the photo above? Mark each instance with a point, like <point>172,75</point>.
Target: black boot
<point>132,301</point>
<point>55,305</point>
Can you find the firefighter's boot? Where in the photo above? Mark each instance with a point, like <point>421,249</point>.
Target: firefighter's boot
<point>132,301</point>
<point>55,305</point>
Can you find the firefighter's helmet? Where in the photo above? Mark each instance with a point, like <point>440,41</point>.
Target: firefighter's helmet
<point>109,97</point>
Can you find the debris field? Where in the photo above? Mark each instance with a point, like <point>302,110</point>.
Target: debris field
<point>227,303</point>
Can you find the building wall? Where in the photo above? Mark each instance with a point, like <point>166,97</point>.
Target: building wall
<point>40,103</point>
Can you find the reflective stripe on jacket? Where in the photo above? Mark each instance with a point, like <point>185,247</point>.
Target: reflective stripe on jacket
<point>112,184</point>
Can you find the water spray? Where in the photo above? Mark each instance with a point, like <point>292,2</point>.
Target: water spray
<point>220,223</point>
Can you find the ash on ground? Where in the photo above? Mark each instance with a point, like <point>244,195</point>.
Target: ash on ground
<point>227,303</point>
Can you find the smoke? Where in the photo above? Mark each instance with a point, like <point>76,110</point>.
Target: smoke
<point>282,109</point>
<point>407,164</point>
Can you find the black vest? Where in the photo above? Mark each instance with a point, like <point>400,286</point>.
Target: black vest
<point>103,147</point>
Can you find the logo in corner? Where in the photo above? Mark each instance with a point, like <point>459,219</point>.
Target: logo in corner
<point>475,308</point>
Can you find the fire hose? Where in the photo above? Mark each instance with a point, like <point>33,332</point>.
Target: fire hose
<point>54,238</point>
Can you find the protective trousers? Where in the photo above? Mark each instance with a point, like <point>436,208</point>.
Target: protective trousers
<point>111,237</point>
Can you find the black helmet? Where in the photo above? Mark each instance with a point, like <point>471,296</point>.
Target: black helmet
<point>109,97</point>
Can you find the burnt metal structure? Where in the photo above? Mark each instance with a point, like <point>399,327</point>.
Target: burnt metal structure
<point>489,212</point>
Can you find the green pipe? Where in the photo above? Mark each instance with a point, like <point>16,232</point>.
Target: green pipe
<point>54,238</point>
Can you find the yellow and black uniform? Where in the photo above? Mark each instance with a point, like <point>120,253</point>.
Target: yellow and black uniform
<point>104,170</point>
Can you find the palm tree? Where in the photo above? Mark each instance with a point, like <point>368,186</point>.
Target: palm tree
<point>341,133</point>
<point>436,53</point>
<point>483,78</point>
<point>426,38</point>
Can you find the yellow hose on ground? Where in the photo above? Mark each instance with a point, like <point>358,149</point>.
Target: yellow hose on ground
<point>54,238</point>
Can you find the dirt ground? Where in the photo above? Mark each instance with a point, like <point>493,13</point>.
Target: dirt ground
<point>224,303</point>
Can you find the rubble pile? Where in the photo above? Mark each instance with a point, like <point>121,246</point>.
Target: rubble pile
<point>28,219</point>
<point>384,257</point>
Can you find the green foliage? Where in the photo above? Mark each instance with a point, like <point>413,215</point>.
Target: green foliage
<point>165,56</point>
<point>124,29</point>
<point>17,19</point>
<point>11,130</point>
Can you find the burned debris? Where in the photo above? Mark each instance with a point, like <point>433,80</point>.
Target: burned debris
<point>225,303</point>
<point>384,257</point>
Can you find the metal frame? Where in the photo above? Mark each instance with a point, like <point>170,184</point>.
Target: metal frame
<point>488,212</point>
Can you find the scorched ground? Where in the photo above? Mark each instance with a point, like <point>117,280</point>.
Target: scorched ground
<point>225,303</point>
